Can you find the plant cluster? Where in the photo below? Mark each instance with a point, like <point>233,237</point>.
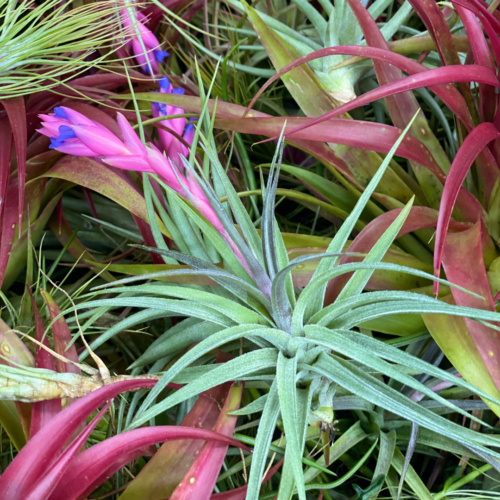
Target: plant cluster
<point>249,251</point>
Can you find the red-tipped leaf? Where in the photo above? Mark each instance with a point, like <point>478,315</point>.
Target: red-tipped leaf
<point>200,480</point>
<point>474,143</point>
<point>464,265</point>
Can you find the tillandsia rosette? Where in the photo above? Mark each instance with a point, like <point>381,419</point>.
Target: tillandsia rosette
<point>326,371</point>
<point>308,354</point>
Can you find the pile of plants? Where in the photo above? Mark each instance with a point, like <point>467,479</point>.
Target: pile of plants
<point>249,251</point>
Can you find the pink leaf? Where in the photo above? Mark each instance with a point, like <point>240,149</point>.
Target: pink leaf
<point>200,480</point>
<point>471,147</point>
<point>41,452</point>
<point>96,464</point>
<point>17,117</point>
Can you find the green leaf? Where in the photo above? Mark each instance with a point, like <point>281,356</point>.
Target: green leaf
<point>231,371</point>
<point>360,278</point>
<point>341,342</point>
<point>233,310</point>
<point>365,385</point>
<point>315,302</point>
<point>286,374</point>
<point>267,425</point>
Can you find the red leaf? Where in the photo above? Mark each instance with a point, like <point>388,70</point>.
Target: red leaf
<point>200,480</point>
<point>482,56</point>
<point>49,481</point>
<point>471,147</point>
<point>430,13</point>
<point>41,452</point>
<point>402,107</point>
<point>177,457</point>
<point>359,134</point>
<point>448,94</point>
<point>43,411</point>
<point>96,464</point>
<point>437,76</point>
<point>9,220</point>
<point>464,265</point>
<point>5,154</point>
<point>17,117</point>
<point>62,337</point>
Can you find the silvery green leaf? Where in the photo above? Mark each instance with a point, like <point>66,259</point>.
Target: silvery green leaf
<point>243,220</point>
<point>343,344</point>
<point>205,346</point>
<point>315,301</point>
<point>255,406</point>
<point>362,384</point>
<point>173,343</point>
<point>385,456</point>
<point>267,425</point>
<point>232,370</point>
<point>359,279</point>
<point>130,321</point>
<point>233,310</point>
<point>286,373</point>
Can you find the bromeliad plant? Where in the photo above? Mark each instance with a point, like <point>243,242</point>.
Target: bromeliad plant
<point>461,179</point>
<point>302,352</point>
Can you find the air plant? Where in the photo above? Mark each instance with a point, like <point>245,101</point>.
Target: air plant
<point>304,353</point>
<point>37,42</point>
<point>73,133</point>
<point>339,28</point>
<point>462,181</point>
<point>49,466</point>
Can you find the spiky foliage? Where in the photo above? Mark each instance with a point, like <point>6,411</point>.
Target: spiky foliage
<point>41,45</point>
<point>304,354</point>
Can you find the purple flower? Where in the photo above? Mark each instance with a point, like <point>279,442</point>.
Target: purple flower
<point>154,55</point>
<point>73,133</point>
<point>176,124</point>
